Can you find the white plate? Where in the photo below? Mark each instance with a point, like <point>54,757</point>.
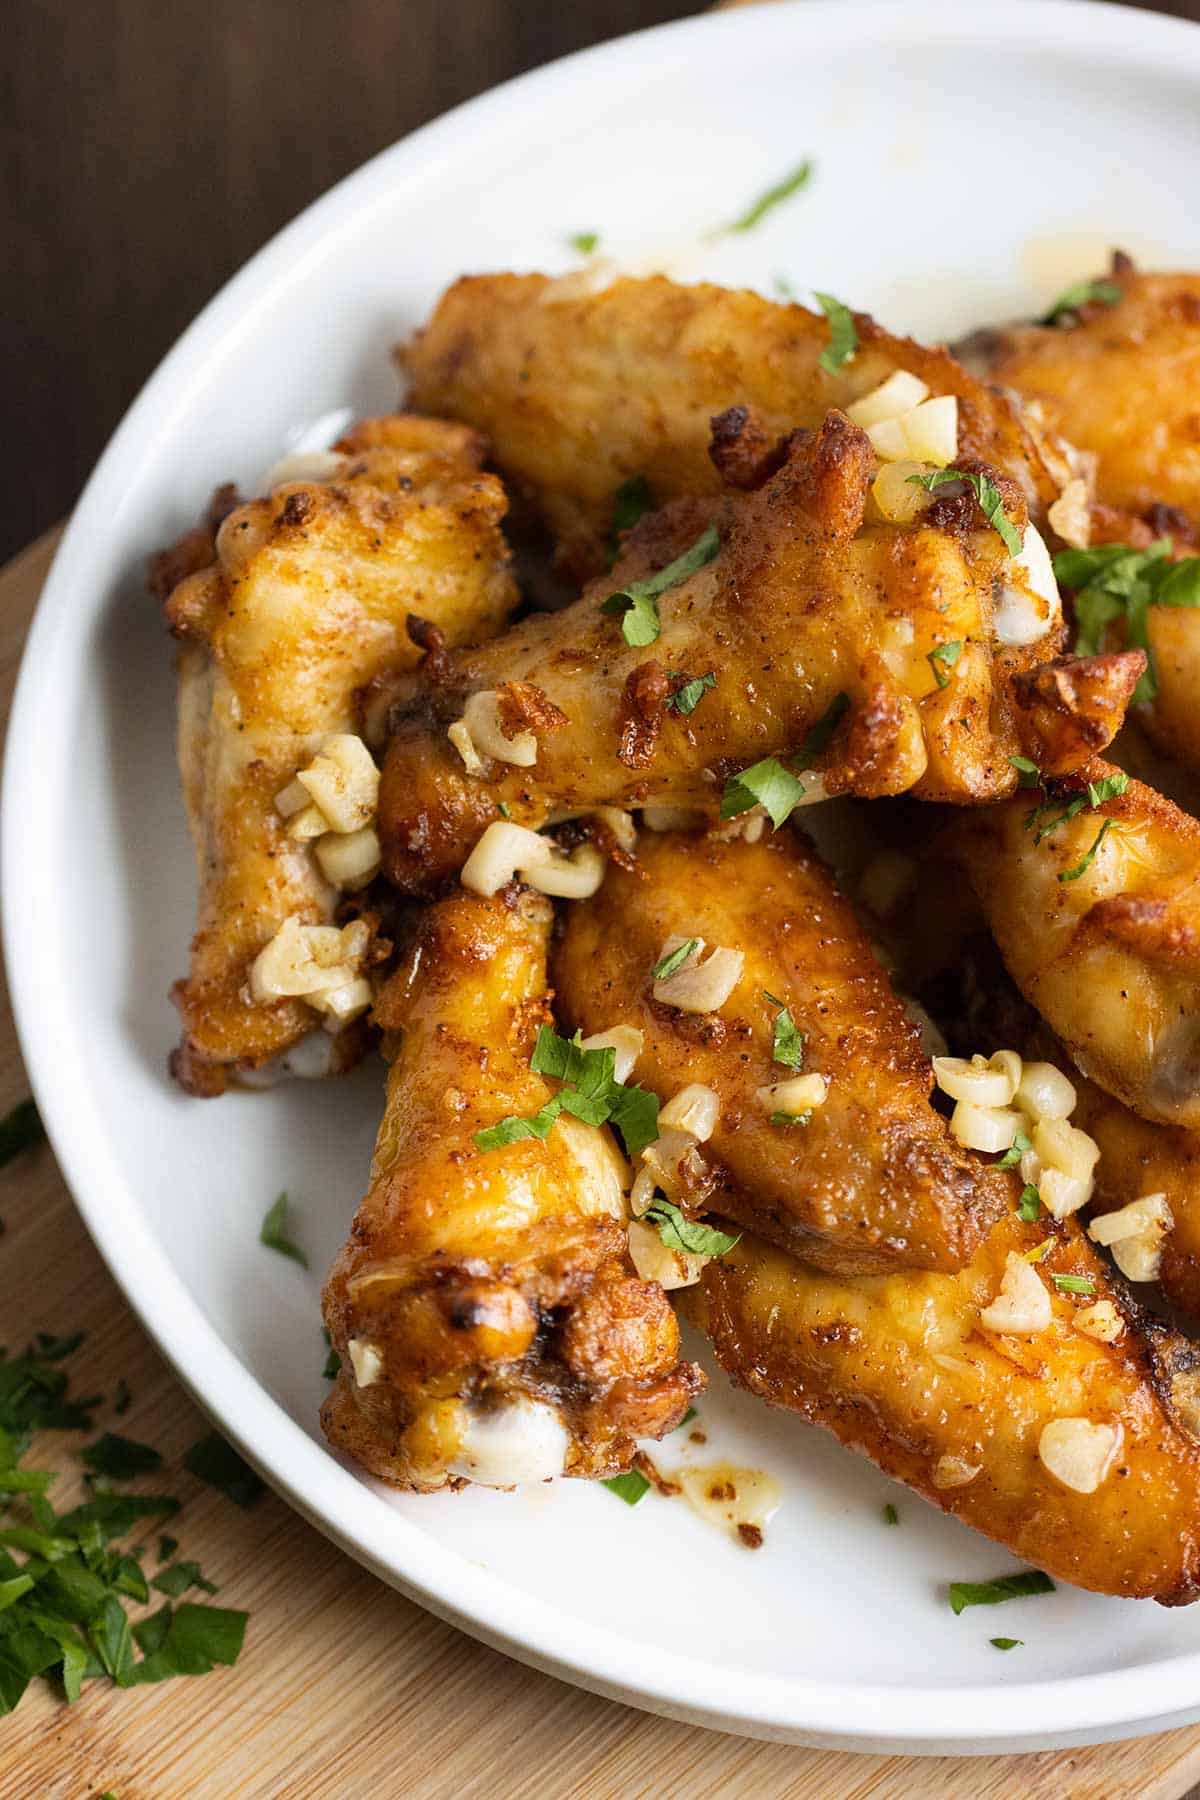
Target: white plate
<point>969,161</point>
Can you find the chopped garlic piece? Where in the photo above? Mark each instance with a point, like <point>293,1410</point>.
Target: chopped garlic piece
<point>898,497</point>
<point>1065,1147</point>
<point>291,799</point>
<point>343,782</point>
<point>349,859</point>
<point>1079,1453</point>
<point>366,1361</point>
<point>1022,1307</point>
<point>693,1109</point>
<point>984,1083</point>
<point>305,465</point>
<point>654,1262</point>
<point>1029,604</point>
<point>305,960</point>
<point>309,823</point>
<point>1071,515</point>
<point>990,1129</point>
<point>626,1040</point>
<point>953,1472</point>
<point>343,1003</point>
<point>1062,1194</point>
<point>698,986</point>
<point>481,719</point>
<point>799,1094</point>
<point>1101,1321</point>
<point>569,877</point>
<point>463,742</point>
<point>1136,1235</point>
<point>519,1440</point>
<point>506,850</point>
<point>1044,1092</point>
<point>898,394</point>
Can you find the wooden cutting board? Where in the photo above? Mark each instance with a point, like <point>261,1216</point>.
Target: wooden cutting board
<point>346,1691</point>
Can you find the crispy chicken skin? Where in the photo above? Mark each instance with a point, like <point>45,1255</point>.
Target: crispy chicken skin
<point>304,599</point>
<point>899,1368</point>
<point>578,392</point>
<point>806,599</point>
<point>1111,957</point>
<point>486,1298</point>
<point>874,1180</point>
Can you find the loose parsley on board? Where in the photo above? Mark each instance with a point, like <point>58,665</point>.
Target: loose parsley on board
<point>215,1461</point>
<point>120,1458</point>
<point>1005,1587</point>
<point>890,1515</point>
<point>991,505</point>
<point>638,603</point>
<point>273,1231</point>
<point>585,242</point>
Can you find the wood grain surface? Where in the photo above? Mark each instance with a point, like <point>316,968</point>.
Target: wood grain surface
<point>346,1691</point>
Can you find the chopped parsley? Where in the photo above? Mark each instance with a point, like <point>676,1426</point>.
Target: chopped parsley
<point>843,333</point>
<point>941,658</point>
<point>1005,1587</point>
<point>769,784</point>
<point>1039,1251</point>
<point>792,182</point>
<point>589,1091</point>
<point>215,1461</point>
<point>20,1130</point>
<point>787,1118</point>
<point>628,1487</point>
<point>167,1546</point>
<point>585,242</point>
<point>1028,773</point>
<point>788,1043</point>
<point>1090,857</point>
<point>675,960</point>
<point>1007,1643</point>
<point>176,1580</point>
<point>273,1232</point>
<point>638,603</point>
<point>333,1361</point>
<point>890,1515</point>
<point>1113,581</point>
<point>1079,294</point>
<point>1015,1152</point>
<point>502,807</point>
<point>820,734</point>
<point>120,1458</point>
<point>1029,1206</point>
<point>631,500</point>
<point>688,696</point>
<point>687,1236</point>
<point>1073,1284</point>
<point>986,493</point>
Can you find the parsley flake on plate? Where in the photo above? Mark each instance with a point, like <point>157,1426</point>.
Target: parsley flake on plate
<point>628,1487</point>
<point>770,198</point>
<point>273,1232</point>
<point>1005,1587</point>
<point>585,242</point>
<point>986,493</point>
<point>215,1461</point>
<point>890,1515</point>
<point>1007,1643</point>
<point>638,603</point>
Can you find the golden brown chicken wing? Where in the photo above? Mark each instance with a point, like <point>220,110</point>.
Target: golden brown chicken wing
<point>1094,902</point>
<point>868,1176</point>
<point>1047,1413</point>
<point>789,605</point>
<point>304,598</point>
<point>486,1313</point>
<point>578,392</point>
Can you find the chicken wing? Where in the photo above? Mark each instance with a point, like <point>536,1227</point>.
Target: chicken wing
<point>579,392</point>
<point>791,604</point>
<point>1095,905</point>
<point>869,1177</point>
<point>486,1313</point>
<point>1074,1452</point>
<point>299,600</point>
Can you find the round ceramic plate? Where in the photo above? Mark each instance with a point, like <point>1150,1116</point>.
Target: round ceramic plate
<point>968,162</point>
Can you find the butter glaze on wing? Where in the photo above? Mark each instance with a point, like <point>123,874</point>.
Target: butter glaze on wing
<point>489,1295</point>
<point>874,1180</point>
<point>806,599</point>
<point>899,1368</point>
<point>1111,959</point>
<point>303,600</point>
<point>578,392</point>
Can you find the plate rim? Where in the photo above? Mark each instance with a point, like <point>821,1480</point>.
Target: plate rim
<point>982,1718</point>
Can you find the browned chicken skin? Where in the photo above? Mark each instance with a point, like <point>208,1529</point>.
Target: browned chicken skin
<point>486,1313</point>
<point>873,1180</point>
<point>806,600</point>
<point>301,599</point>
<point>1110,955</point>
<point>579,392</point>
<point>900,1368</point>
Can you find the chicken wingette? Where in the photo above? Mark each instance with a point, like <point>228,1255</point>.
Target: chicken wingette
<point>1118,374</point>
<point>487,1316</point>
<point>868,1177</point>
<point>580,392</point>
<point>799,611</point>
<point>299,600</point>
<point>1055,1419</point>
<point>1093,896</point>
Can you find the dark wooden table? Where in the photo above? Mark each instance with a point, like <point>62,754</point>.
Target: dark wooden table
<point>150,147</point>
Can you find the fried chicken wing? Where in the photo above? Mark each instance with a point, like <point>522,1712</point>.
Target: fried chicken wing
<point>487,1316</point>
<point>1096,911</point>
<point>870,1179</point>
<point>1075,1453</point>
<point>803,603</point>
<point>301,599</point>
<point>578,392</point>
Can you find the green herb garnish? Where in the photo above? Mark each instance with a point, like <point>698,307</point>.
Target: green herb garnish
<point>167,1546</point>
<point>1112,581</point>
<point>585,242</point>
<point>589,1091</point>
<point>843,334</point>
<point>1028,773</point>
<point>638,603</point>
<point>687,1236</point>
<point>1005,1587</point>
<point>1077,295</point>
<point>1007,1643</point>
<point>120,1458</point>
<point>890,1515</point>
<point>333,1361</point>
<point>1016,1151</point>
<point>941,658</point>
<point>787,1118</point>
<point>502,807</point>
<point>986,493</point>
<point>175,1581</point>
<point>215,1461</point>
<point>1039,1251</point>
<point>819,735</point>
<point>687,698</point>
<point>798,178</point>
<point>273,1232</point>
<point>1073,1284</point>
<point>1029,1206</point>
<point>787,1046</point>
<point>675,960</point>
<point>1082,867</point>
<point>628,1487</point>
<point>20,1130</point>
<point>631,500</point>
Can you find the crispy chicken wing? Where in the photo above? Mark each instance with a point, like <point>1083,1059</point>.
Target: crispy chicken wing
<point>578,392</point>
<point>486,1313</point>
<point>1099,925</point>
<point>1075,1453</point>
<point>301,599</point>
<point>871,1179</point>
<point>805,604</point>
